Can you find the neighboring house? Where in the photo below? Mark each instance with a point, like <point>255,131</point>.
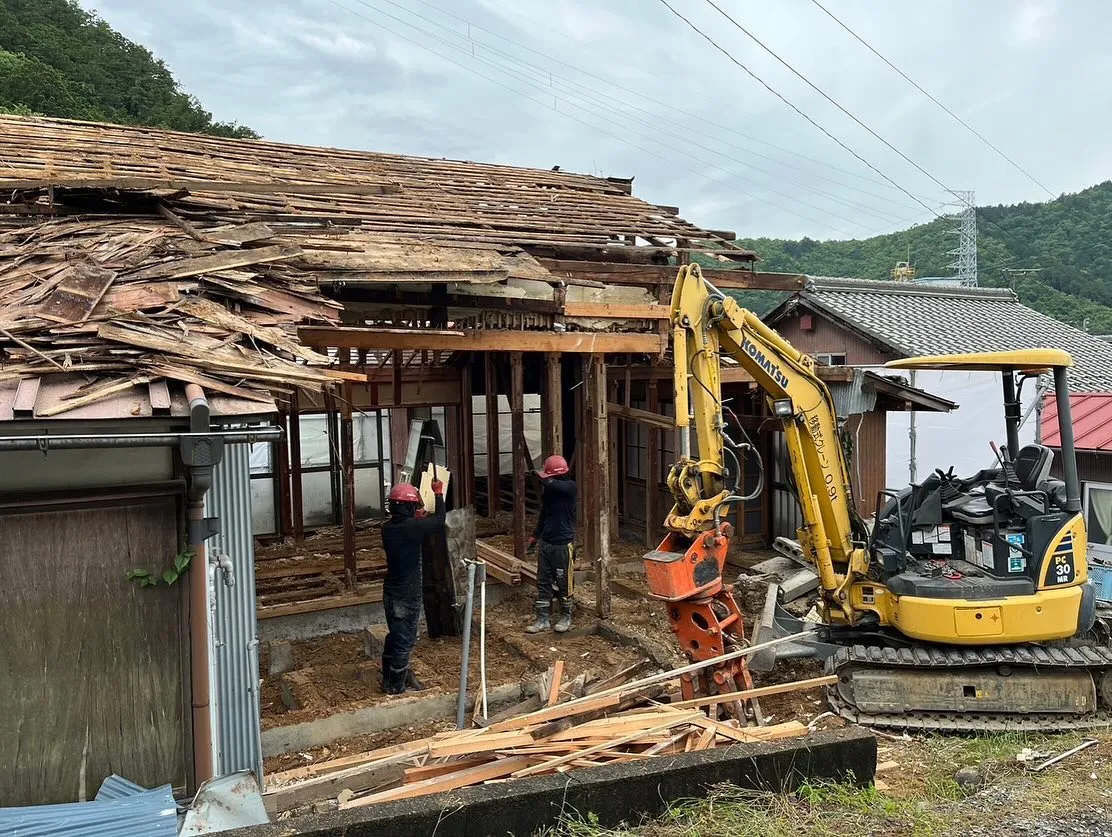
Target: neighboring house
<point>867,323</point>
<point>1092,431</point>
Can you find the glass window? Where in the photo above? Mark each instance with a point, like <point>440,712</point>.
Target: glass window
<point>263,518</point>
<point>831,359</point>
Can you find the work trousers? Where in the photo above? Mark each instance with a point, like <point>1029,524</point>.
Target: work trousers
<point>403,615</point>
<point>555,567</point>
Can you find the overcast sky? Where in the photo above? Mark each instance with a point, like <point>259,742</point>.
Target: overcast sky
<point>640,94</point>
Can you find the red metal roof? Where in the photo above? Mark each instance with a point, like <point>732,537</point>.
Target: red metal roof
<point>1092,422</point>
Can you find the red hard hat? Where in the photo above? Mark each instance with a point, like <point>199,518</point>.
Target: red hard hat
<point>554,466</point>
<point>403,492</point>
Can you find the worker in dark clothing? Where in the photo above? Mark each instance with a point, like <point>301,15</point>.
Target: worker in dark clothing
<point>556,554</point>
<point>402,536</point>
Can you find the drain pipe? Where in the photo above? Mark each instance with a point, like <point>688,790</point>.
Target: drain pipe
<point>200,455</point>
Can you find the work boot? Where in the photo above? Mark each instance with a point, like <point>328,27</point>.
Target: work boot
<point>412,684</point>
<point>542,618</point>
<point>567,608</point>
<point>393,680</point>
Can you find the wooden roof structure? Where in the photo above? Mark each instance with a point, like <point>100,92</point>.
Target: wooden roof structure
<point>56,166</point>
<point>134,255</point>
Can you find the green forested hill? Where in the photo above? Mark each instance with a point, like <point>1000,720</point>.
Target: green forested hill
<point>1069,238</point>
<point>56,59</point>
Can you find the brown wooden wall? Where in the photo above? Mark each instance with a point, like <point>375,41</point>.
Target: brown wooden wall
<point>92,663</point>
<point>868,466</point>
<point>829,337</point>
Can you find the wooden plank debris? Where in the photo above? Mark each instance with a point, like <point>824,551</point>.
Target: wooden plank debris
<point>80,287</point>
<point>617,721</point>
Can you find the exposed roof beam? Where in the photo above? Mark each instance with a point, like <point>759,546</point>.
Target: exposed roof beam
<point>615,273</point>
<point>582,342</point>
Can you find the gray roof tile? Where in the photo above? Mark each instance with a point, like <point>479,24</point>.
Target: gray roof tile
<point>914,320</point>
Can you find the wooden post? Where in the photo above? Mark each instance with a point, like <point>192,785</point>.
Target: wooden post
<point>282,466</point>
<point>296,498</point>
<point>652,469</point>
<point>396,375</point>
<point>598,472</point>
<point>466,479</point>
<point>612,455</point>
<point>553,408</point>
<point>347,467</point>
<point>494,483</point>
<point>517,431</point>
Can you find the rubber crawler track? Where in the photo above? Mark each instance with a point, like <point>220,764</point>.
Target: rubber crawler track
<point>1096,659</point>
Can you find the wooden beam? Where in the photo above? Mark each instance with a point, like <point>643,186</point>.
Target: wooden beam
<point>466,480</point>
<point>554,405</point>
<point>373,593</point>
<point>652,469</point>
<point>482,340</point>
<point>730,374</point>
<point>614,273</point>
<point>517,431</point>
<point>282,460</point>
<point>763,691</point>
<point>347,468</point>
<point>640,416</point>
<point>296,502</point>
<point>597,473</point>
<point>494,490</point>
<point>617,310</point>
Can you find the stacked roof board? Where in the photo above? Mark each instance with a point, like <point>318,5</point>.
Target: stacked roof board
<point>132,254</point>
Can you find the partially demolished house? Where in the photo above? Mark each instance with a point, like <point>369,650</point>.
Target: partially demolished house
<point>206,340</point>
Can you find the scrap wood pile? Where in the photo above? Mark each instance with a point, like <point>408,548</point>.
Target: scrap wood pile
<point>140,300</point>
<point>567,726</point>
<point>505,567</point>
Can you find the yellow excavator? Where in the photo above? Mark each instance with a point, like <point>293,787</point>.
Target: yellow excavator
<point>963,605</point>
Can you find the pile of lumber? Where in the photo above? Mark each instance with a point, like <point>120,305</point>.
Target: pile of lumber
<point>566,726</point>
<point>505,567</point>
<point>138,301</point>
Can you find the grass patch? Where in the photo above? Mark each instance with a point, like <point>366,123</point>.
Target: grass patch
<point>826,810</point>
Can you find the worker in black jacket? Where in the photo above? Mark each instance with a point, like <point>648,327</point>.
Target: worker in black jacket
<point>402,536</point>
<point>556,556</point>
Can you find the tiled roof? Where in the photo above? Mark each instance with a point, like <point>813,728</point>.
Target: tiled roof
<point>1092,422</point>
<point>914,320</point>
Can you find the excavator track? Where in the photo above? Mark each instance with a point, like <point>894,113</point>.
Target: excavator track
<point>1071,661</point>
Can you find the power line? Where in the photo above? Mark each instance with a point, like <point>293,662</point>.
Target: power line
<point>671,106</point>
<point>826,96</point>
<point>775,93</point>
<point>689,138</point>
<point>572,116</point>
<point>959,120</point>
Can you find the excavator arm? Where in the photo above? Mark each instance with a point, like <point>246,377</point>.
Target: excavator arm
<point>708,326</point>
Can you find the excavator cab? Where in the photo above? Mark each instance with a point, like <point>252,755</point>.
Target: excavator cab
<point>1002,532</point>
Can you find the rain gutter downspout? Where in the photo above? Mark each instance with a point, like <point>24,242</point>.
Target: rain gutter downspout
<point>200,454</point>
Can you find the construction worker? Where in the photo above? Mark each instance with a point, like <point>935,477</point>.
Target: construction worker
<point>402,536</point>
<point>555,533</point>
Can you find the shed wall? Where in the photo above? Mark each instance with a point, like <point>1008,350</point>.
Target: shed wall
<point>93,664</point>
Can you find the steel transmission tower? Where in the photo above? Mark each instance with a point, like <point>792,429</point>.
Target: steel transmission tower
<point>965,228</point>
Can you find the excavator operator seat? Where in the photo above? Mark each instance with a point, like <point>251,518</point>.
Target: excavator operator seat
<point>1032,465</point>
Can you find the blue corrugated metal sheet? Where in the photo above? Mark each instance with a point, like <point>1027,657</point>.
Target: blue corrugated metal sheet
<point>234,657</point>
<point>151,813</point>
<point>117,787</point>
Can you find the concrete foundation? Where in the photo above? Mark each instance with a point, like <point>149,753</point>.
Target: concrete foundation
<point>350,619</point>
<point>395,712</point>
<point>614,794</point>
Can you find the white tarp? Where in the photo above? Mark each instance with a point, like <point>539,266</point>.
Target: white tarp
<point>532,404</point>
<point>959,438</point>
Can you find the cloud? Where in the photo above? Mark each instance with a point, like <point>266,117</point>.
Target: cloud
<point>622,87</point>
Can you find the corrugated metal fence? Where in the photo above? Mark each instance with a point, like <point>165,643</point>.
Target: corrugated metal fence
<point>787,517</point>
<point>234,659</point>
